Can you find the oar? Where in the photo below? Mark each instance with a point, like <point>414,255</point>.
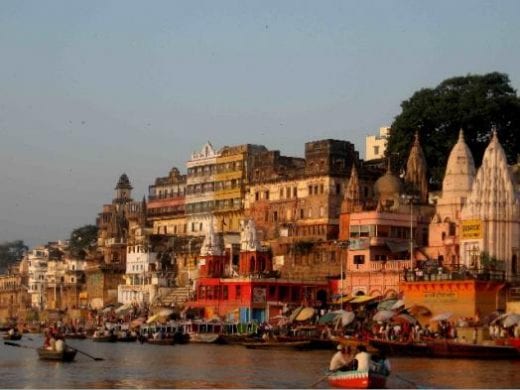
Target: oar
<point>407,381</point>
<point>86,354</point>
<point>319,380</point>
<point>18,345</point>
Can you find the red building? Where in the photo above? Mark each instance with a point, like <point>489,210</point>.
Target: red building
<point>256,292</point>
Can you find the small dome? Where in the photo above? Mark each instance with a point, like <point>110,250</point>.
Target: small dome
<point>123,183</point>
<point>387,185</point>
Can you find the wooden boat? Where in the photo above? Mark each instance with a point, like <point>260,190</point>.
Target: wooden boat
<point>401,348</point>
<point>165,341</point>
<point>236,339</point>
<point>66,355</point>
<point>207,338</point>
<point>76,336</point>
<point>514,342</point>
<point>277,344</point>
<point>109,338</point>
<point>126,339</point>
<point>16,336</point>
<point>357,380</point>
<point>453,349</point>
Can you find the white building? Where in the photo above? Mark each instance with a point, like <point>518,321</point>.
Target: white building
<point>37,261</point>
<point>491,214</point>
<point>375,145</point>
<point>143,276</point>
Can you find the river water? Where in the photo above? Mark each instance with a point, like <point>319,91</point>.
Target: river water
<point>134,365</point>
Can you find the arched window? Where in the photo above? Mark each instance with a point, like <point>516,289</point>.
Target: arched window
<point>514,265</point>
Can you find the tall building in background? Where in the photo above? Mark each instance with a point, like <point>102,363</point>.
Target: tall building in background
<point>375,145</point>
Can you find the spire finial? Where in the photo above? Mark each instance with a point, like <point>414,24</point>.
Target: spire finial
<point>461,135</point>
<point>416,140</point>
<point>388,165</point>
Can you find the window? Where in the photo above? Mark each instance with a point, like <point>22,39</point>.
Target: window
<point>266,195</point>
<point>237,291</point>
<point>281,193</point>
<point>310,190</point>
<point>359,259</point>
<point>302,215</point>
<point>295,192</point>
<point>275,216</point>
<point>257,196</point>
<point>376,150</point>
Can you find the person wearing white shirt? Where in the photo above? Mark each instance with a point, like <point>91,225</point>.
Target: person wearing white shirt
<point>363,358</point>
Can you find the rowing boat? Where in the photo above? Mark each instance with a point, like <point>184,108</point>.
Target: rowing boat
<point>67,355</point>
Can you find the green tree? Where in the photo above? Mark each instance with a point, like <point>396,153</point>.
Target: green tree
<point>10,253</point>
<point>82,240</point>
<point>474,103</point>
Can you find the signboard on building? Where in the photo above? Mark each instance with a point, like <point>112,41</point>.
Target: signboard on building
<point>471,228</point>
<point>440,297</point>
<point>259,295</point>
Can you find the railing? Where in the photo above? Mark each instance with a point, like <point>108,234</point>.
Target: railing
<point>480,274</point>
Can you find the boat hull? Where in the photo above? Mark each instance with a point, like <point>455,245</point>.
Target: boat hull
<point>12,337</point>
<point>67,355</point>
<point>277,345</point>
<point>357,380</point>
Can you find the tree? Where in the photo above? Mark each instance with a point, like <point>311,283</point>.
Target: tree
<point>474,103</point>
<point>10,253</point>
<point>83,239</point>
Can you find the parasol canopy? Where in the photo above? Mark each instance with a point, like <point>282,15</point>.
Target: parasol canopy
<point>363,299</point>
<point>295,313</point>
<point>419,310</point>
<point>405,318</point>
<point>399,303</point>
<point>510,320</point>
<point>442,317</point>
<point>383,315</point>
<point>305,314</point>
<point>137,322</point>
<point>386,304</point>
<point>123,308</point>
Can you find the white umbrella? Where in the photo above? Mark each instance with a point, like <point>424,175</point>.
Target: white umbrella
<point>347,317</point>
<point>383,315</point>
<point>166,312</point>
<point>442,317</point>
<point>511,319</point>
<point>397,304</point>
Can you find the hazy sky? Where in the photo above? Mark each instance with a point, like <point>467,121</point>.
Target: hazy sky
<point>92,89</point>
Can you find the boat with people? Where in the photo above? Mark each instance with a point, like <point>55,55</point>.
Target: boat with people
<point>357,379</point>
<point>65,355</point>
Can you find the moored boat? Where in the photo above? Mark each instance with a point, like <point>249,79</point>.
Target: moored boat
<point>277,344</point>
<point>16,336</point>
<point>398,348</point>
<point>165,341</point>
<point>67,355</point>
<point>357,380</point>
<point>453,349</point>
<point>110,338</point>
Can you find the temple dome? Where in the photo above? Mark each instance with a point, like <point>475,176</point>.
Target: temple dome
<point>387,185</point>
<point>460,169</point>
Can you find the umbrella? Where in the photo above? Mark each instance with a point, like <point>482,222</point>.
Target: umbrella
<point>386,304</point>
<point>441,317</point>
<point>405,318</point>
<point>346,317</point>
<point>383,315</point>
<point>511,319</point>
<point>399,303</point>
<point>418,310</point>
<point>328,318</point>
<point>137,322</point>
<point>166,312</point>
<point>305,314</point>
<point>123,308</point>
<point>294,313</point>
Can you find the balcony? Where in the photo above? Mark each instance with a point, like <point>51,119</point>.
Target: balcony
<point>461,273</point>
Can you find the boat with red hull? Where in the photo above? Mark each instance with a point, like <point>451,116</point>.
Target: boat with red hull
<point>357,380</point>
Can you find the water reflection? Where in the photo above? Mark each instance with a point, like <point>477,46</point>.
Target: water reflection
<point>132,365</point>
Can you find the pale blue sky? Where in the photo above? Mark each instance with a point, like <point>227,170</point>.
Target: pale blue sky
<point>92,89</point>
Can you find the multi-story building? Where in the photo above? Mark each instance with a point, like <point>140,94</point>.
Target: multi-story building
<point>381,237</point>
<point>216,185</point>
<point>37,259</point>
<point>166,204</point>
<point>375,145</point>
<point>14,298</point>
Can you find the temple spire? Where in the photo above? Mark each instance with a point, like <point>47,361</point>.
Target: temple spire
<point>416,168</point>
